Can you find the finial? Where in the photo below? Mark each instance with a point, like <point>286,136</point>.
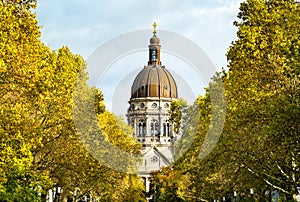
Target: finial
<point>154,26</point>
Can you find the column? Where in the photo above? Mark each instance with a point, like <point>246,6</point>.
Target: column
<point>147,185</point>
<point>50,195</point>
<point>135,127</point>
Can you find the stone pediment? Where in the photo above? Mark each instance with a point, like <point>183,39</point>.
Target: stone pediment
<point>154,158</point>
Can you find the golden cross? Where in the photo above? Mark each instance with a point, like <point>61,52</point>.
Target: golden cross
<point>154,26</point>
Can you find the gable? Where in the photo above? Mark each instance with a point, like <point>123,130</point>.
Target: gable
<point>156,158</point>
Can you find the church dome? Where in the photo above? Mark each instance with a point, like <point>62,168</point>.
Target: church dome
<point>154,81</point>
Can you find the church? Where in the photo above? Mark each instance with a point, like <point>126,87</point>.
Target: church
<point>152,92</point>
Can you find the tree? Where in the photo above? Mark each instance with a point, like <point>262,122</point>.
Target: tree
<point>263,91</point>
<point>177,109</point>
<point>40,144</point>
<point>178,181</point>
<point>20,53</point>
<point>258,147</point>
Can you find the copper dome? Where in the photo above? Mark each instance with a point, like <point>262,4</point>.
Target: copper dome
<point>154,81</point>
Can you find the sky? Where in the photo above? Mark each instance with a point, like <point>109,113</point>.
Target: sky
<point>85,25</point>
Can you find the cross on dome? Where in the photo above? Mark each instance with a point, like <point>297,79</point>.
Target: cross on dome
<point>154,27</point>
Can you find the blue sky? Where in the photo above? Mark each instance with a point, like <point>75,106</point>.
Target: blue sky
<point>83,25</point>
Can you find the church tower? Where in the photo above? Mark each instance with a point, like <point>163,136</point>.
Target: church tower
<point>152,92</point>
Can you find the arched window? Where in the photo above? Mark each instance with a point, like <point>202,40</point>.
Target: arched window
<point>166,129</point>
<point>142,128</point>
<point>154,55</point>
<point>154,130</point>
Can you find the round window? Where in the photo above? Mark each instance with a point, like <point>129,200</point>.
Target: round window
<point>154,159</point>
<point>154,105</point>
